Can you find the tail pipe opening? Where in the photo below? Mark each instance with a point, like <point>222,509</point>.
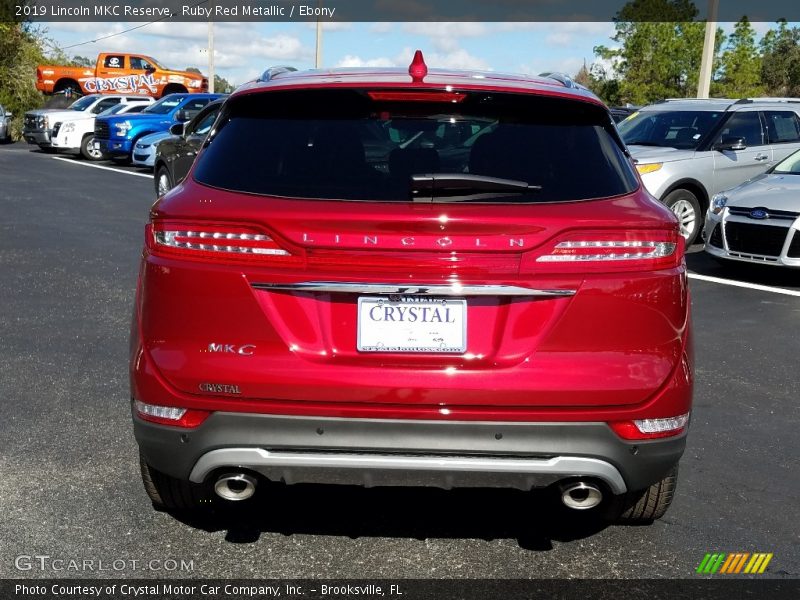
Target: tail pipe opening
<point>235,486</point>
<point>581,495</point>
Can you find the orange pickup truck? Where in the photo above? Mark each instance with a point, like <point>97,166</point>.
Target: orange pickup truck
<point>119,73</point>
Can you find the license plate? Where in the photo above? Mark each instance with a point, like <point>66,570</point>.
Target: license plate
<point>412,324</point>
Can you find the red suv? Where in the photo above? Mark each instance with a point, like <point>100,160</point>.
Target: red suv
<point>391,277</point>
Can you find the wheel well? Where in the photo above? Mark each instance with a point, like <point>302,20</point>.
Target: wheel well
<point>693,186</point>
<point>174,88</point>
<point>64,83</point>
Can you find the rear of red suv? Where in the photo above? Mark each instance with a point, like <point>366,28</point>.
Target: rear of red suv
<point>389,278</point>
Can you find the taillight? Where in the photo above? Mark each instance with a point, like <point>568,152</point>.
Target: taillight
<point>170,415</point>
<point>646,429</point>
<point>613,250</point>
<point>215,242</point>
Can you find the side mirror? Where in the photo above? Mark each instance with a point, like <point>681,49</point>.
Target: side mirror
<point>9,115</point>
<point>730,143</point>
<point>177,129</point>
<point>185,115</point>
<point>150,70</point>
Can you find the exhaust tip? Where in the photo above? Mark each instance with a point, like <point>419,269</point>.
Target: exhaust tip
<point>235,487</point>
<point>581,495</point>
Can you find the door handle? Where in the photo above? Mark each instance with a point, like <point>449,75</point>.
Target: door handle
<point>762,157</point>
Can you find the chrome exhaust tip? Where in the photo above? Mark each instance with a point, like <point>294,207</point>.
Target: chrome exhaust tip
<point>235,486</point>
<point>581,495</point>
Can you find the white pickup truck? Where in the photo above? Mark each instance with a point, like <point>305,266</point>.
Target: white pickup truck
<point>71,130</point>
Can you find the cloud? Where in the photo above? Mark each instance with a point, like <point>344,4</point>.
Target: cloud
<point>356,61</point>
<point>381,27</point>
<point>455,59</point>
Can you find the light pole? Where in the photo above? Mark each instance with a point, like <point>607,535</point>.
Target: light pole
<point>211,56</point>
<point>707,61</point>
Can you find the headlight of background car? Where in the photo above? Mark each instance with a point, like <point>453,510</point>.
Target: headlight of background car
<point>648,168</point>
<point>718,202</point>
<point>123,128</point>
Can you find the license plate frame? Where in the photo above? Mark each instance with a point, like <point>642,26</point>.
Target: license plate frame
<point>413,337</point>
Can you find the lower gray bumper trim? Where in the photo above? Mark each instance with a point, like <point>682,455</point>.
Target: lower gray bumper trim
<point>384,469</point>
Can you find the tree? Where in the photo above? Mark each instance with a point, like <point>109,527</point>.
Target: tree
<point>659,50</point>
<point>83,61</point>
<point>740,65</point>
<point>20,53</point>
<point>780,63</point>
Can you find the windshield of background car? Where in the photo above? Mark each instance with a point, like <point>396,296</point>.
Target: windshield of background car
<point>789,165</point>
<point>164,105</point>
<point>82,103</point>
<point>349,145</point>
<point>681,129</point>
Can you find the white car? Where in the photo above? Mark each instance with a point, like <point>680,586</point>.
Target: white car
<point>75,134</point>
<point>758,221</point>
<point>144,152</point>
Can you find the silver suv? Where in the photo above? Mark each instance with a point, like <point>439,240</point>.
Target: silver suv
<point>688,150</point>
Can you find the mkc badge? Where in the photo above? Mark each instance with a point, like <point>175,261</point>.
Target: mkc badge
<point>245,350</point>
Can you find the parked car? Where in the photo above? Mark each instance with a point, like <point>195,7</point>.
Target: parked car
<point>310,311</point>
<point>119,73</point>
<point>5,125</point>
<point>620,113</point>
<point>689,150</point>
<point>176,154</point>
<point>116,136</point>
<point>757,221</point>
<point>144,151</point>
<point>38,124</point>
<point>75,135</point>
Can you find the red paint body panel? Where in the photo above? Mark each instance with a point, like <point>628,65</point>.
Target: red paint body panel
<point>618,349</point>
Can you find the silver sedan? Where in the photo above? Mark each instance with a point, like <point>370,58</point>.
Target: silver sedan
<point>758,221</point>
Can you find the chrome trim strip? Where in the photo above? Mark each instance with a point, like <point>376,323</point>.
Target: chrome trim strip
<point>345,287</point>
<point>290,466</point>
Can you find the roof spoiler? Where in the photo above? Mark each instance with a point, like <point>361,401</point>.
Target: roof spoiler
<point>563,79</point>
<point>273,72</point>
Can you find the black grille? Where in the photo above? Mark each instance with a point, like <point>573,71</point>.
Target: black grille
<point>755,239</point>
<point>30,122</point>
<point>716,237</point>
<point>101,130</point>
<point>794,247</point>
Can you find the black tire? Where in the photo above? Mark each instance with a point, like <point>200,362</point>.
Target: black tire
<point>162,173</point>
<point>686,206</point>
<point>87,148</point>
<point>69,88</point>
<point>646,506</point>
<point>173,494</point>
<point>174,88</point>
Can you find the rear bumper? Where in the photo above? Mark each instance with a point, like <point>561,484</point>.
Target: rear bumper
<point>407,452</point>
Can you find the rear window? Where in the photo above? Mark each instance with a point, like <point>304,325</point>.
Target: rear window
<point>342,144</point>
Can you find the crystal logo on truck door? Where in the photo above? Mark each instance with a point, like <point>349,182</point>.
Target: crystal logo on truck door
<point>126,83</point>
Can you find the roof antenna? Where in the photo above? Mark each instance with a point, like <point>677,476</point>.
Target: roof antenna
<point>418,69</point>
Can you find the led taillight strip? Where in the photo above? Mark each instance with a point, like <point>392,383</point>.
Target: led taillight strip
<point>608,250</point>
<point>219,241</point>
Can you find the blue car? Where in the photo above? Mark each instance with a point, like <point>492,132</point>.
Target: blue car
<point>116,135</point>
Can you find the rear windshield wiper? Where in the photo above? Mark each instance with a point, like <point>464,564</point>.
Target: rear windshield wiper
<point>461,187</point>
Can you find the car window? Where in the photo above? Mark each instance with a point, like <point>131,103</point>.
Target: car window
<point>104,104</point>
<point>745,125</point>
<point>789,165</point>
<point>203,126</point>
<point>165,105</point>
<point>681,129</point>
<point>114,62</point>
<point>343,144</point>
<point>81,104</point>
<point>140,64</point>
<point>782,126</point>
<point>195,103</point>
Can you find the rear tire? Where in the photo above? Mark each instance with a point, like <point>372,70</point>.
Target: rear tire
<point>87,148</point>
<point>686,207</point>
<point>162,181</point>
<point>646,506</point>
<point>70,89</point>
<point>170,493</point>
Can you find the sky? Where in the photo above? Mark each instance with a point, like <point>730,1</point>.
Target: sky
<point>244,50</point>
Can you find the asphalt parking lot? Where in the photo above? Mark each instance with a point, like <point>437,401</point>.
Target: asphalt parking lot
<point>70,237</point>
